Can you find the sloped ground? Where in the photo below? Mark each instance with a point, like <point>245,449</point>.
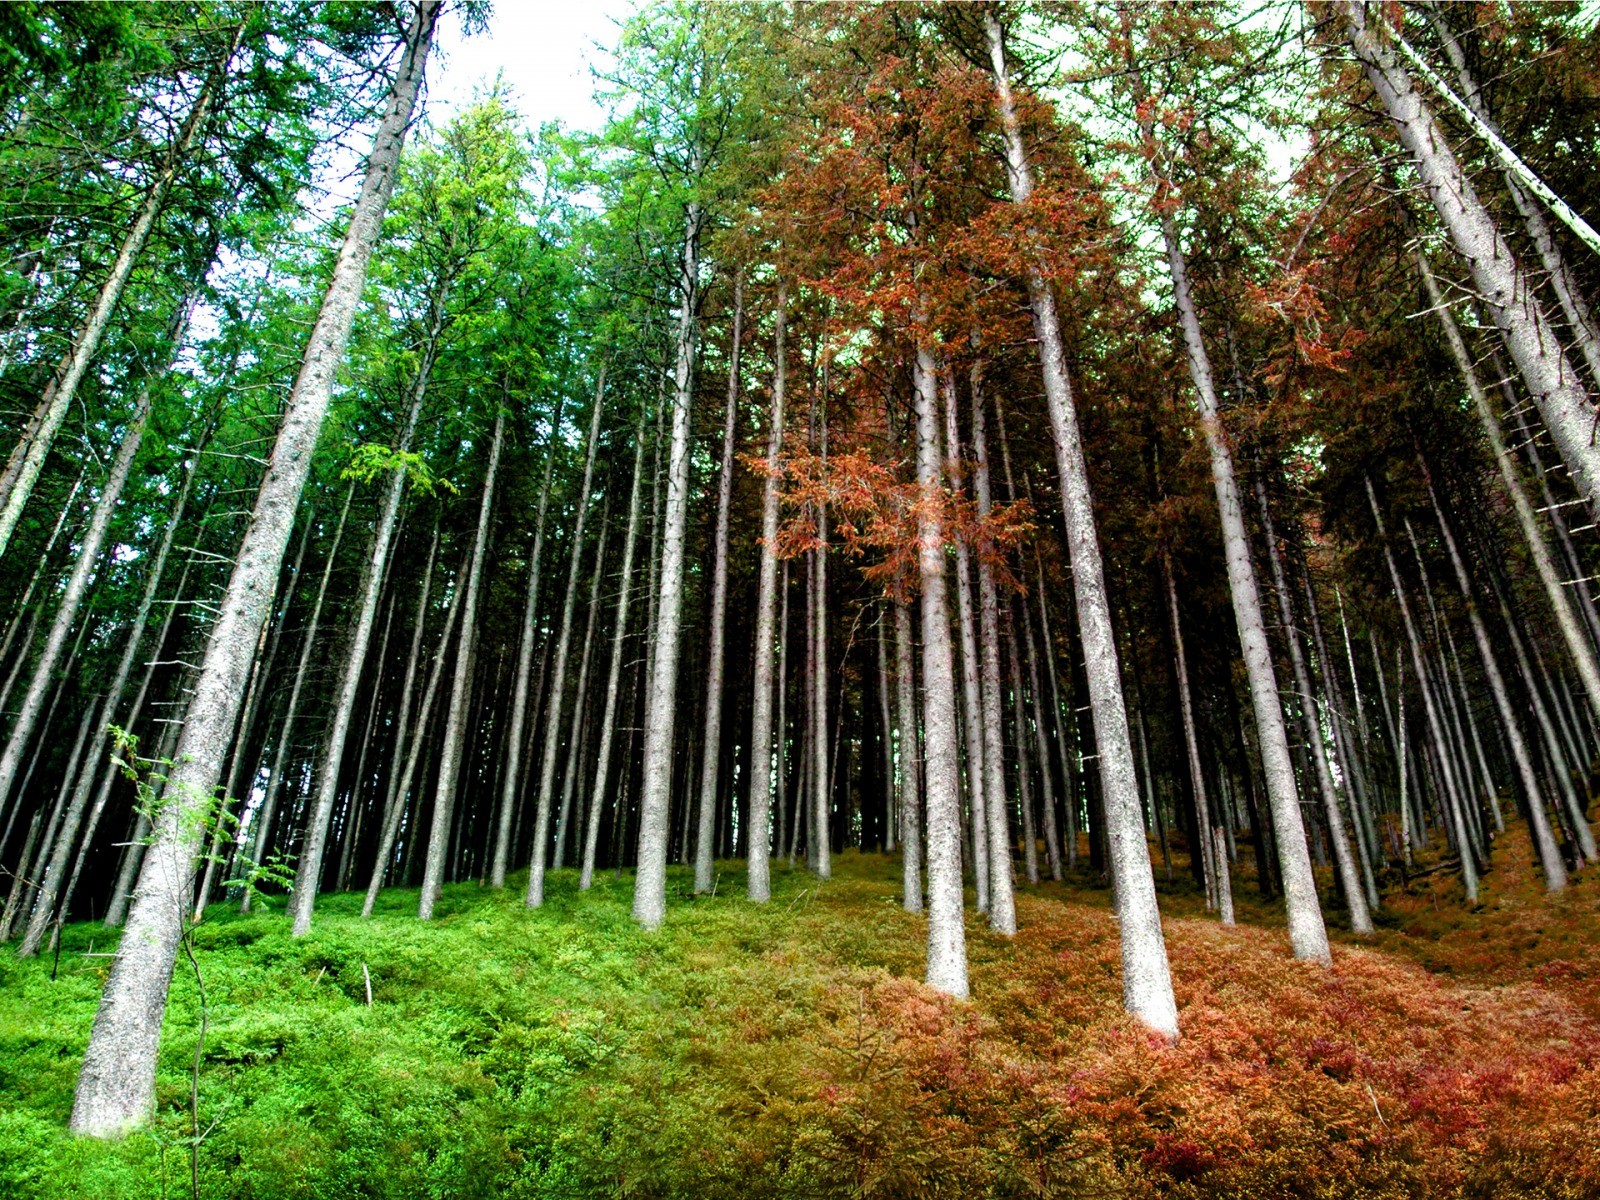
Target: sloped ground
<point>790,1051</point>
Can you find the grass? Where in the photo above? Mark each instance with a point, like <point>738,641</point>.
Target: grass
<point>789,1050</point>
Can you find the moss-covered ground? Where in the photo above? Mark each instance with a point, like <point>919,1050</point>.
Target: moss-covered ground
<point>791,1051</point>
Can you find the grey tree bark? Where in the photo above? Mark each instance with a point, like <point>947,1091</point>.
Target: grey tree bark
<point>909,793</point>
<point>619,632</point>
<point>78,803</point>
<point>1505,287</point>
<point>116,1087</point>
<point>511,770</point>
<point>711,751</point>
<point>650,880</point>
<point>66,617</point>
<point>1146,978</point>
<point>455,728</point>
<point>558,669</point>
<point>577,728</point>
<point>1002,882</point>
<point>308,874</point>
<point>758,816</point>
<point>947,938</point>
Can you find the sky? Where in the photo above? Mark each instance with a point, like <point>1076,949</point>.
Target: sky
<point>544,49</point>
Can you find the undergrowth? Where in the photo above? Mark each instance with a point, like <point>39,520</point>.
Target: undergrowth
<point>789,1051</point>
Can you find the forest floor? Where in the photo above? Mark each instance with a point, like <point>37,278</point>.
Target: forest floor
<point>791,1051</point>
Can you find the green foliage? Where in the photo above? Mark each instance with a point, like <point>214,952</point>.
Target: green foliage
<point>370,461</point>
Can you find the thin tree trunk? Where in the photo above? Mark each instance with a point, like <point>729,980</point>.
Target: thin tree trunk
<point>66,617</point>
<point>86,343</point>
<point>1019,723</point>
<point>821,777</point>
<point>455,728</point>
<point>711,754</point>
<point>400,785</point>
<point>1344,855</point>
<point>261,833</point>
<point>1556,387</point>
<point>619,633</point>
<point>50,881</point>
<point>1469,870</point>
<point>909,794</point>
<point>577,729</point>
<point>1002,899</point>
<point>650,879</point>
<point>308,875</point>
<point>889,814</point>
<point>1146,978</point>
<point>1544,843</point>
<point>511,772</point>
<point>765,744</point>
<point>558,671</point>
<point>972,703</point>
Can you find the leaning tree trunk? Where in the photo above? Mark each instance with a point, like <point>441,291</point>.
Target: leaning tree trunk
<point>947,939</point>
<point>116,1087</point>
<point>1505,287</point>
<point>86,344</point>
<point>308,876</point>
<point>1544,842</point>
<point>66,617</point>
<point>578,725</point>
<point>711,754</point>
<point>1344,856</point>
<point>558,670</point>
<point>511,769</point>
<point>1146,978</point>
<point>1430,708</point>
<point>619,633</point>
<point>650,879</point>
<point>455,727</point>
<point>51,878</point>
<point>758,818</point>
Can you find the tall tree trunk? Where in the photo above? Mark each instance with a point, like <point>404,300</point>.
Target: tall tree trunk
<point>972,703</point>
<point>711,754</point>
<point>1002,900</point>
<point>77,804</point>
<point>619,632</point>
<point>455,727</point>
<point>909,793</point>
<point>650,879</point>
<point>821,824</point>
<point>1504,286</point>
<point>86,343</point>
<point>558,671</point>
<point>1469,869</point>
<point>261,832</point>
<point>947,943</point>
<point>1344,856</point>
<point>577,729</point>
<point>887,720</point>
<point>1191,738</point>
<point>511,771</point>
<point>66,617</point>
<point>1544,843</point>
<point>1146,978</point>
<point>308,875</point>
<point>765,743</point>
<point>400,784</point>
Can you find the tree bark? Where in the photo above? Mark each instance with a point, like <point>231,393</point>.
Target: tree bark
<point>763,739</point>
<point>650,879</point>
<point>558,670</point>
<point>711,753</point>
<point>1146,978</point>
<point>1556,387</point>
<point>909,792</point>
<point>455,728</point>
<point>577,728</point>
<point>619,633</point>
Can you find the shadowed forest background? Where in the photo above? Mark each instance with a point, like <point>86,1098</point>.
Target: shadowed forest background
<point>965,600</point>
